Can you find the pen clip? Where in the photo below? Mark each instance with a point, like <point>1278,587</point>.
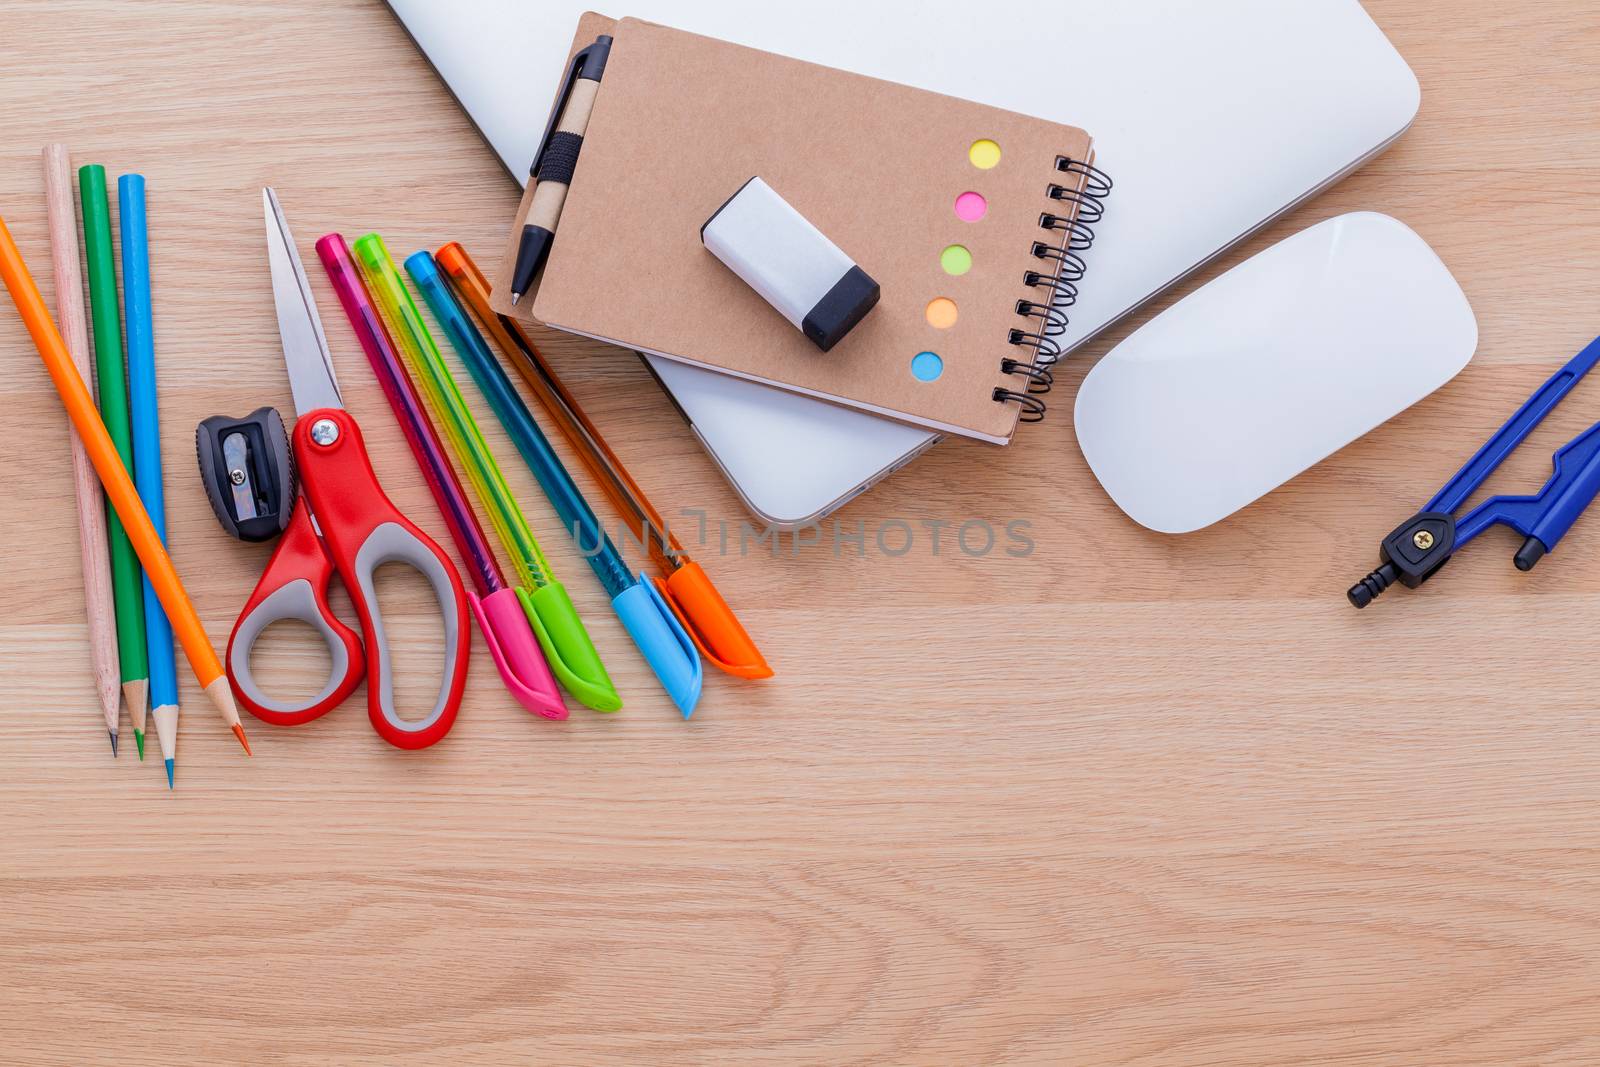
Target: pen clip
<point>712,625</point>
<point>567,647</point>
<point>594,55</point>
<point>662,640</point>
<point>511,642</point>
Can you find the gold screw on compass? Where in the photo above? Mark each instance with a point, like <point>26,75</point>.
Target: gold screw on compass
<point>1422,539</point>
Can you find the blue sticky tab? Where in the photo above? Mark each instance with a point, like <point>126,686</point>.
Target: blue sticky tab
<point>663,642</point>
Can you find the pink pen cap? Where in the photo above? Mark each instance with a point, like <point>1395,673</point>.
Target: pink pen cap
<point>516,653</point>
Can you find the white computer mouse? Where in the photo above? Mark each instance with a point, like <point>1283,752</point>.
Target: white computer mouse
<point>1270,368</point>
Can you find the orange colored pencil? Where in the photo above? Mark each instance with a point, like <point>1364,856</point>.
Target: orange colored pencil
<point>114,477</point>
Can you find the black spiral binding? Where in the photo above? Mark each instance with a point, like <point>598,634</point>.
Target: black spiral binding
<point>1062,267</point>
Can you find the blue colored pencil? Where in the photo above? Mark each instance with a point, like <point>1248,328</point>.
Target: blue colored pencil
<point>147,450</point>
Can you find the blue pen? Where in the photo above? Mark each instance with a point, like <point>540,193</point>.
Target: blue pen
<point>147,450</point>
<point>662,639</point>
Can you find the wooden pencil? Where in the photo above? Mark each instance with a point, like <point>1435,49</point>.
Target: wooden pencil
<point>119,487</point>
<point>92,544</point>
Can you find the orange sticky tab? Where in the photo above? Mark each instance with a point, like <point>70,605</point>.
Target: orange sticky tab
<point>717,633</point>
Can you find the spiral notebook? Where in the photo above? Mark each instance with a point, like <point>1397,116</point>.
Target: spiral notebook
<point>973,220</point>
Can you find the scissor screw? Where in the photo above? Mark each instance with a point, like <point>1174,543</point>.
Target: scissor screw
<point>1423,539</point>
<point>324,431</point>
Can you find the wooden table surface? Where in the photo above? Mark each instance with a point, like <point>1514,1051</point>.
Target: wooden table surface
<point>1128,799</point>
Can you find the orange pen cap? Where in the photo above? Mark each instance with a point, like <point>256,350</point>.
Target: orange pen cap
<point>716,631</point>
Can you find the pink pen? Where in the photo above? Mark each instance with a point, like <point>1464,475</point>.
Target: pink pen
<point>500,616</point>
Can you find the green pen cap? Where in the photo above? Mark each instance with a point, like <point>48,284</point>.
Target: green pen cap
<point>567,647</point>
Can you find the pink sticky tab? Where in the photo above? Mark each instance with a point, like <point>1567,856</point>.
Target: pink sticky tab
<point>970,207</point>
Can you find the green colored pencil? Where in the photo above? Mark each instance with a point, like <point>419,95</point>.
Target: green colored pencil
<point>126,585</point>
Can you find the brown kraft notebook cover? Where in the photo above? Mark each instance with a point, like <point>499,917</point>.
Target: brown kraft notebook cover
<point>682,121</point>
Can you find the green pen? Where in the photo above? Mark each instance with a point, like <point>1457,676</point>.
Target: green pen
<point>561,633</point>
<point>127,590</point>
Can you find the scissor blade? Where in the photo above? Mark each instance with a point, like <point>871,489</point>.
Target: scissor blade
<point>305,349</point>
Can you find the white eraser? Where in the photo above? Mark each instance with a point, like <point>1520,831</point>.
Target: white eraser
<point>790,262</point>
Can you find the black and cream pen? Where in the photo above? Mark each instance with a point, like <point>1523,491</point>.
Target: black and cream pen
<point>555,160</point>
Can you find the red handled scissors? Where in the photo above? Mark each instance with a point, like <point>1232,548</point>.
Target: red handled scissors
<point>342,523</point>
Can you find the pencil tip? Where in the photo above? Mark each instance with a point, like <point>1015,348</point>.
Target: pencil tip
<point>169,773</point>
<point>238,731</point>
<point>138,739</point>
<point>222,697</point>
<point>137,694</point>
<point>515,297</point>
<point>113,735</point>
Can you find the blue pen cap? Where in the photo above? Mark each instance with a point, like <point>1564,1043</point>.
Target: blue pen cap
<point>665,644</point>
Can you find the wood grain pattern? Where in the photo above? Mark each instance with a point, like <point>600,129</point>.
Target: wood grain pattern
<point>1132,800</point>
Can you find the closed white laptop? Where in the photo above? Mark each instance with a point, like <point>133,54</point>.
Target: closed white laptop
<point>1212,118</point>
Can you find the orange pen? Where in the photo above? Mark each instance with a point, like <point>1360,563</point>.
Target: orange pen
<point>114,477</point>
<point>686,588</point>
